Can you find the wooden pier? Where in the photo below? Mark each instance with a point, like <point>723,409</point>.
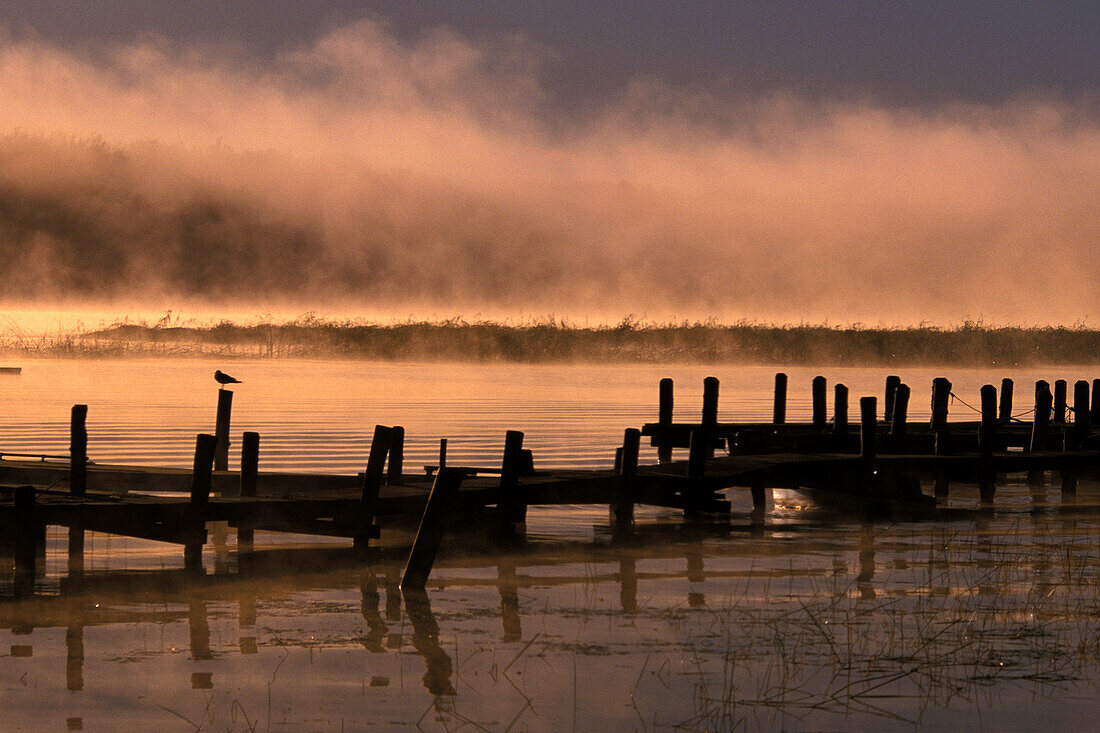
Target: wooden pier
<point>884,462</point>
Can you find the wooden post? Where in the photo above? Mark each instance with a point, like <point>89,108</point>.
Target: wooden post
<point>1081,425</point>
<point>987,443</point>
<point>432,525</point>
<point>250,462</point>
<point>618,470</point>
<point>372,484</point>
<point>1041,425</point>
<point>664,419</point>
<point>840,409</point>
<point>779,407</point>
<point>900,413</point>
<point>221,430</point>
<point>697,453</point>
<point>892,383</point>
<point>78,451</point>
<point>941,394</point>
<point>442,453</point>
<point>710,411</point>
<point>28,529</point>
<point>1059,402</point>
<point>1005,412</point>
<point>510,504</point>
<point>397,456</point>
<point>201,470</point>
<point>817,389</point>
<point>868,427</point>
<point>1094,411</point>
<point>623,509</point>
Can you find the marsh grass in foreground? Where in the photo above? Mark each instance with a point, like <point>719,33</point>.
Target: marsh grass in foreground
<point>630,341</point>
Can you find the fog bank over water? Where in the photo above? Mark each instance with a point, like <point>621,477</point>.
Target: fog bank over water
<point>363,175</point>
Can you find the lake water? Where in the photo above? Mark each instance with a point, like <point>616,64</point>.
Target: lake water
<point>814,621</point>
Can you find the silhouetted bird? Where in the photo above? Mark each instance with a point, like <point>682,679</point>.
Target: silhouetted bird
<point>223,379</point>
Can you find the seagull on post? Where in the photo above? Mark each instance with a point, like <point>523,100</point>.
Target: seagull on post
<point>223,379</point>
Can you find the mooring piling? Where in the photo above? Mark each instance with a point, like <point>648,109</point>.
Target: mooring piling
<point>892,383</point>
<point>511,506</point>
<point>710,411</point>
<point>697,453</point>
<point>221,429</point>
<point>900,413</point>
<point>1005,412</point>
<point>818,393</point>
<point>1081,424</point>
<point>840,409</point>
<point>623,508</point>
<point>442,452</point>
<point>201,480</point>
<point>779,406</point>
<point>78,451</point>
<point>987,443</point>
<point>394,465</point>
<point>372,483</point>
<point>664,420</point>
<point>1059,402</point>
<point>1094,409</point>
<point>941,394</point>
<point>868,419</point>
<point>250,463</point>
<point>1041,424</point>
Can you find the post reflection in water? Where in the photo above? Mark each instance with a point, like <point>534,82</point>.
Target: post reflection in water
<point>425,639</point>
<point>368,607</point>
<point>509,600</point>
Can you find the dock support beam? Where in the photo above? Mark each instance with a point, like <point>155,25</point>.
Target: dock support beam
<point>868,422</point>
<point>710,411</point>
<point>818,392</point>
<point>987,444</point>
<point>1041,424</point>
<point>200,497</point>
<point>623,508</point>
<point>221,430</point>
<point>432,525</point>
<point>941,394</point>
<point>1059,401</point>
<point>900,413</point>
<point>78,451</point>
<point>892,383</point>
<point>250,463</point>
<point>1094,410</point>
<point>372,484</point>
<point>395,464</point>
<point>1081,425</point>
<point>840,409</point>
<point>779,406</point>
<point>510,505</point>
<point>664,419</point>
<point>1005,412</point>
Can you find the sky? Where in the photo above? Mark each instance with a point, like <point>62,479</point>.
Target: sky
<point>872,162</point>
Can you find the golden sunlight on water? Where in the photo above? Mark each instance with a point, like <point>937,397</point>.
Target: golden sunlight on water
<point>816,619</point>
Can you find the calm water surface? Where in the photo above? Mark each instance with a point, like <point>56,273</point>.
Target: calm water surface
<point>814,621</point>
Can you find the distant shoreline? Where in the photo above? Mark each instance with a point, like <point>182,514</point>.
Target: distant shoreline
<point>629,342</point>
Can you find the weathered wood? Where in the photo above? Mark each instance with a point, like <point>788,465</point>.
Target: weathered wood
<point>1094,409</point>
<point>779,405</point>
<point>1081,424</point>
<point>78,451</point>
<point>623,509</point>
<point>892,383</point>
<point>900,413</point>
<point>1005,412</point>
<point>250,463</point>
<point>710,410</point>
<point>429,536</point>
<point>221,430</point>
<point>868,430</point>
<point>941,394</point>
<point>201,470</point>
<point>1040,426</point>
<point>664,419</point>
<point>697,453</point>
<point>396,460</point>
<point>987,440</point>
<point>840,409</point>
<point>818,392</point>
<point>511,506</point>
<point>442,452</point>
<point>1059,416</point>
<point>372,483</point>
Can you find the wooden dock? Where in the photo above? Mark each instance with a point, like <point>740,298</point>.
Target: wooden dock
<point>879,462</point>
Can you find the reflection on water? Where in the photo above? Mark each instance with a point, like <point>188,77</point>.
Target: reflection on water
<point>800,618</point>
